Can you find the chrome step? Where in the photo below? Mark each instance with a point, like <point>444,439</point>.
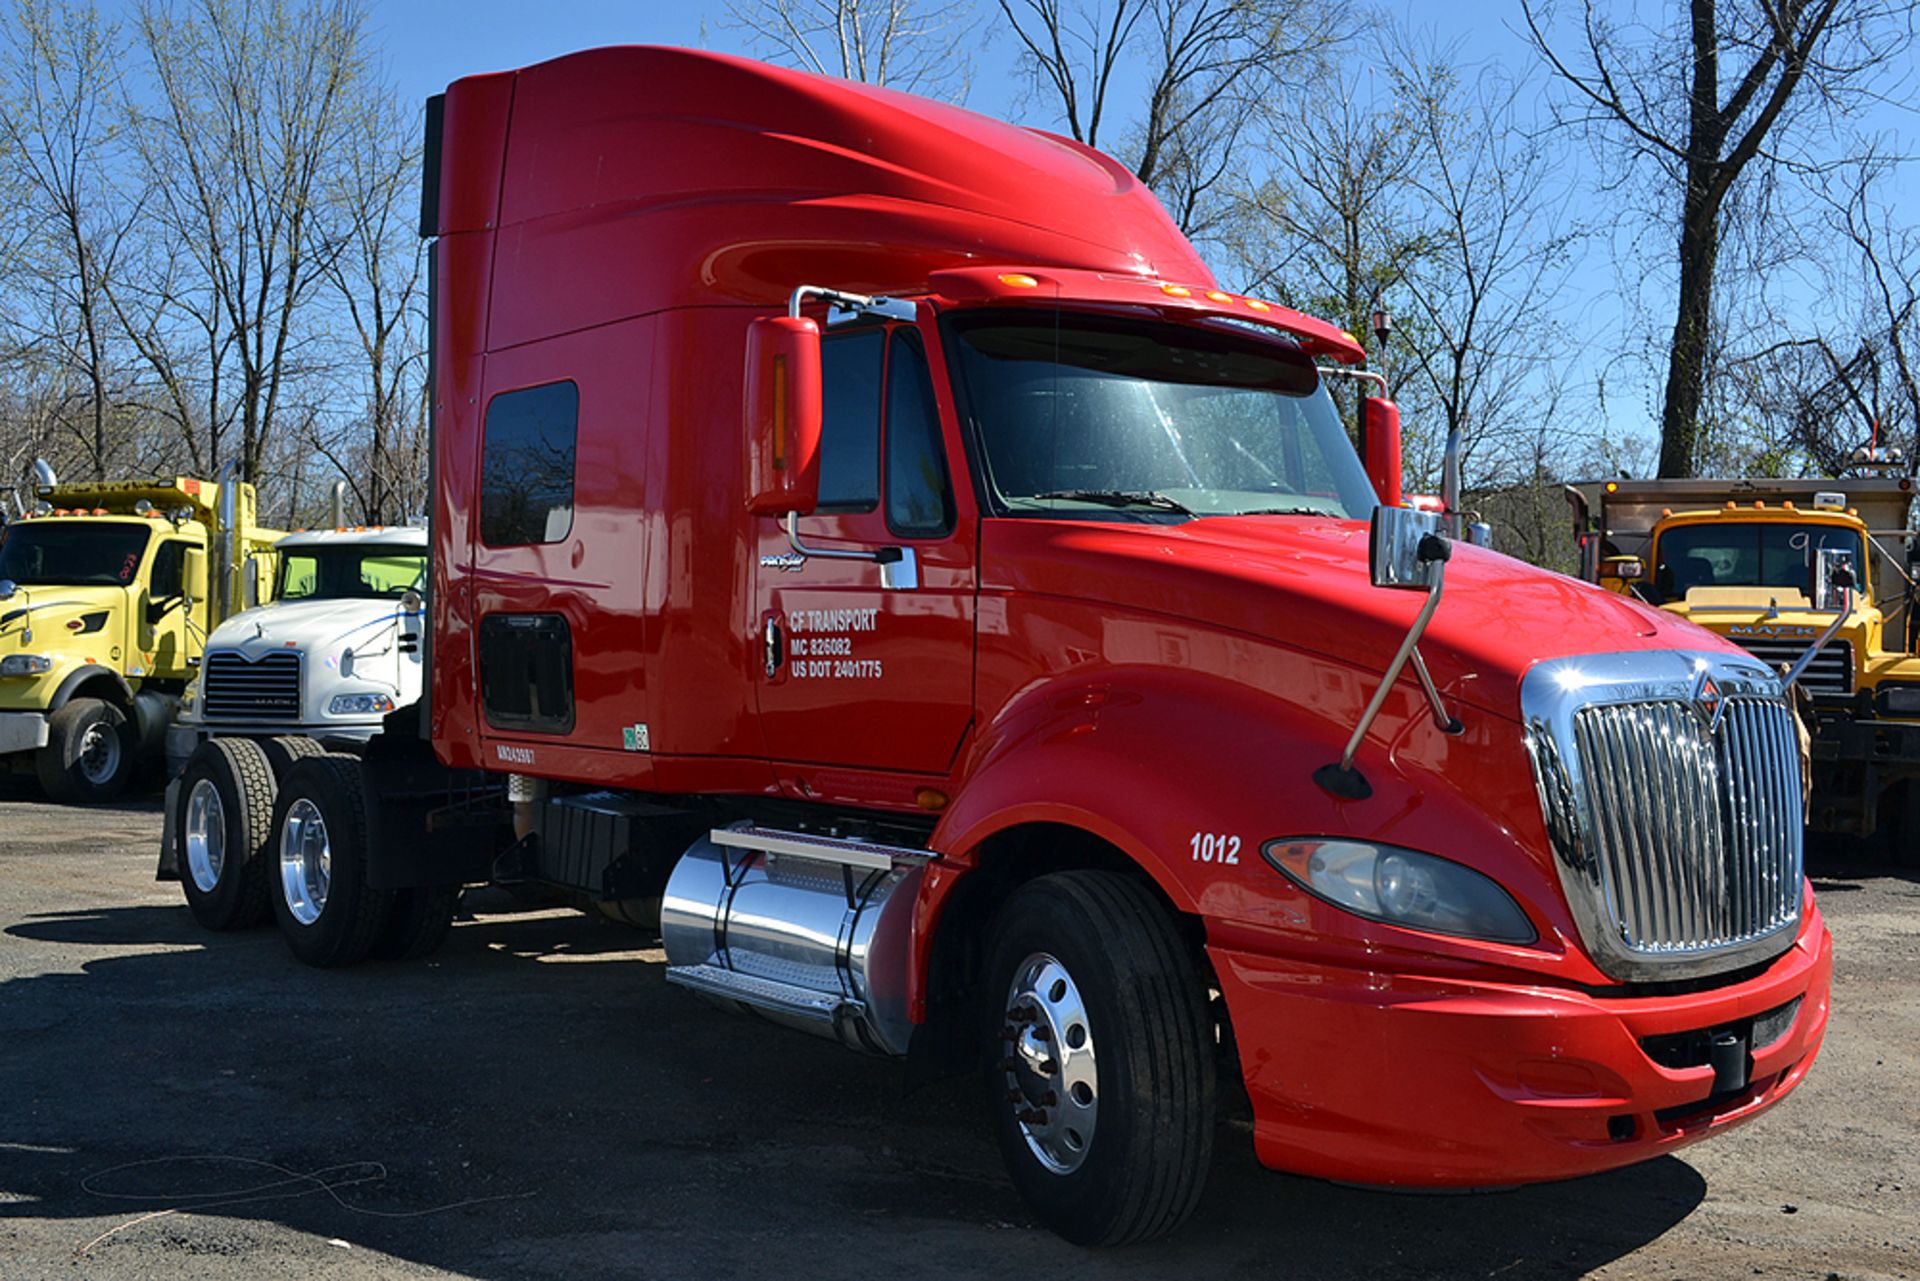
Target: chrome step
<point>764,994</point>
<point>823,849</point>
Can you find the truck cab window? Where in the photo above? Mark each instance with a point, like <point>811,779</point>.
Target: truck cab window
<point>169,567</point>
<point>919,497</point>
<point>850,421</point>
<point>527,465</point>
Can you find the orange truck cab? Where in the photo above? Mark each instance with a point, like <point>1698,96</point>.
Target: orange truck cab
<point>1747,560</point>
<point>871,548</point>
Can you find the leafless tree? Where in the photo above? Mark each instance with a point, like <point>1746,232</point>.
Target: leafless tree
<point>914,45</point>
<point>249,111</point>
<point>59,128</point>
<point>1495,255</point>
<point>1791,70</point>
<point>378,277</point>
<point>1846,382</point>
<point>1208,66</point>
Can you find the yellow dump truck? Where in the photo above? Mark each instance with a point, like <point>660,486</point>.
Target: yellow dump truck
<point>107,593</point>
<point>1755,560</point>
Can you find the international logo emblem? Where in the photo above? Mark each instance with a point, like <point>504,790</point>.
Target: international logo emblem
<point>1709,705</point>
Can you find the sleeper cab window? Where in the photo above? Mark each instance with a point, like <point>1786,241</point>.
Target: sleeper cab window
<point>850,420</point>
<point>527,465</point>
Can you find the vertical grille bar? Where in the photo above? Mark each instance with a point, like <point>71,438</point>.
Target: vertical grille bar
<point>1696,830</point>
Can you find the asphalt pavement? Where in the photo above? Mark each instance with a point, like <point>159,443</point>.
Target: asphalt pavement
<point>534,1102</point>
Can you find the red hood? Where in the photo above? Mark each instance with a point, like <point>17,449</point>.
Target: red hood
<point>1302,582</point>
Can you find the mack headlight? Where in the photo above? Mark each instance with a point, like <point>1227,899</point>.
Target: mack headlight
<point>1401,887</point>
<point>25,665</point>
<point>360,705</point>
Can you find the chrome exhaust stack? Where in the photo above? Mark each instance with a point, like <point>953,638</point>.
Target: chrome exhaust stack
<point>811,932</point>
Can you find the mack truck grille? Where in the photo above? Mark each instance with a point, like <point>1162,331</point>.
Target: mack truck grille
<point>1829,675</point>
<point>1674,807</point>
<point>231,688</point>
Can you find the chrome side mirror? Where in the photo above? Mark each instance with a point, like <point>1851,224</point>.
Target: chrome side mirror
<point>411,602</point>
<point>1833,579</point>
<point>1832,589</point>
<point>1405,550</point>
<point>1399,553</point>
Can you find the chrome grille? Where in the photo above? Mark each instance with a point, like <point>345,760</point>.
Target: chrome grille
<point>231,688</point>
<point>1829,675</point>
<point>1678,838</point>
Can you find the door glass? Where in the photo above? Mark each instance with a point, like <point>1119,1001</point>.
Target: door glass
<point>850,421</point>
<point>919,498</point>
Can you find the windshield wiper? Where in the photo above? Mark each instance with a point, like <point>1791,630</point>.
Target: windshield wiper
<point>1123,498</point>
<point>1285,511</point>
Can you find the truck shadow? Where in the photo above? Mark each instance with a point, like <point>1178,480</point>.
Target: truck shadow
<point>534,1101</point>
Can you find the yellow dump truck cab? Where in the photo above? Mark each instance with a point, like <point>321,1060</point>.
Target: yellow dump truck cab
<point>1739,558</point>
<point>107,593</point>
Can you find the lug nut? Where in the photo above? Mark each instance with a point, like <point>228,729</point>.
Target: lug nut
<point>1009,1063</point>
<point>1048,1067</point>
<point>1033,1116</point>
<point>1042,1033</point>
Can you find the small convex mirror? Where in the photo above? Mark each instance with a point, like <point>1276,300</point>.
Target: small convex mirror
<point>7,589</point>
<point>1833,578</point>
<point>1395,547</point>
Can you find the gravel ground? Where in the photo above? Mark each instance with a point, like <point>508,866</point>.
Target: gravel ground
<point>535,1102</point>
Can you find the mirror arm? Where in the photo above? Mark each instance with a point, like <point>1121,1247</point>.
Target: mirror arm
<point>1443,720</point>
<point>884,556</point>
<point>893,308</point>
<point>1436,575</point>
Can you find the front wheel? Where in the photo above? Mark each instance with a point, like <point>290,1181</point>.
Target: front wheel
<point>221,831</point>
<point>90,753</point>
<point>1101,1079</point>
<point>327,912</point>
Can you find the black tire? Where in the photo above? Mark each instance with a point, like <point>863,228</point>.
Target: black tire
<point>89,756</point>
<point>283,750</point>
<point>322,800</point>
<point>221,831</point>
<point>1140,1171</point>
<point>418,923</point>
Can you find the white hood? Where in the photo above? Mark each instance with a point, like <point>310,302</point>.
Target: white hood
<point>346,647</point>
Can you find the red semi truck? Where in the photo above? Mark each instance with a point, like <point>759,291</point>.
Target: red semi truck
<point>868,543</point>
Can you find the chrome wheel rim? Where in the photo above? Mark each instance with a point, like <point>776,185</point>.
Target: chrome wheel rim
<point>306,861</point>
<point>206,835</point>
<point>1052,1081</point>
<point>99,758</point>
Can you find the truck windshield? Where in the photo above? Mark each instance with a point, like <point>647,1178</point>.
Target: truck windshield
<point>365,571</point>
<point>73,553</point>
<point>1130,419</point>
<point>1758,554</point>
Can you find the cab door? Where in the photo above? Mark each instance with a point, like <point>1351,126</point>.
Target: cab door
<point>868,663</point>
<point>172,625</point>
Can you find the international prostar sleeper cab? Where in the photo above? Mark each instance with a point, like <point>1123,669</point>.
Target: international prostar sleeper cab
<point>866,535</point>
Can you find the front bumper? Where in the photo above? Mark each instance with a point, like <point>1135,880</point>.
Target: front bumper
<point>1415,1081</point>
<point>22,732</point>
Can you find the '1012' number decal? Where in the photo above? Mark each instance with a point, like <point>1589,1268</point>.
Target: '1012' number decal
<point>1211,848</point>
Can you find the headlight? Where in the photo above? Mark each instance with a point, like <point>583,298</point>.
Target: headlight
<point>25,665</point>
<point>359,705</point>
<point>1401,887</point>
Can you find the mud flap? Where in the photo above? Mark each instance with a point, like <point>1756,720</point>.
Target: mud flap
<point>169,869</point>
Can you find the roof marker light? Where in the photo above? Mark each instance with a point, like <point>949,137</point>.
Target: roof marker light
<point>1214,295</point>
<point>1176,291</point>
<point>1019,280</point>
<point>1257,305</point>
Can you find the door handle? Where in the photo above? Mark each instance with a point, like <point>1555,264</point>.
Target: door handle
<point>773,645</point>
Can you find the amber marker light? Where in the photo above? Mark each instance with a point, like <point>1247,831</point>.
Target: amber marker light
<point>1019,280</point>
<point>1176,291</point>
<point>930,798</point>
<point>1214,295</point>
<point>1257,305</point>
